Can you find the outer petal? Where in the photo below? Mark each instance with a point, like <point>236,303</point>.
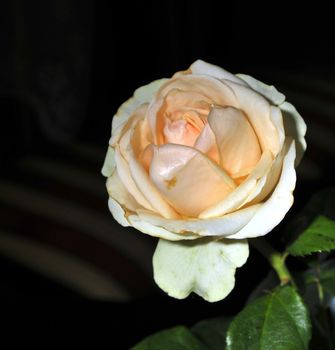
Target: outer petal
<point>226,225</point>
<point>109,163</point>
<point>205,267</point>
<point>295,127</point>
<point>239,196</point>
<point>131,122</point>
<point>293,123</point>
<point>217,91</point>
<point>236,139</point>
<point>272,211</point>
<point>258,111</point>
<point>202,67</point>
<point>118,192</point>
<point>125,176</point>
<point>266,184</point>
<point>118,212</point>
<point>268,91</point>
<point>144,94</point>
<point>147,227</point>
<point>123,206</point>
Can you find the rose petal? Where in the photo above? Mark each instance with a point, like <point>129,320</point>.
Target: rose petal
<point>118,192</point>
<point>188,180</point>
<point>133,119</point>
<point>268,181</point>
<point>182,117</point>
<point>205,267</point>
<point>150,192</point>
<point>206,143</point>
<point>295,127</point>
<point>236,140</point>
<point>257,108</point>
<point>226,225</point>
<point>133,174</point>
<point>276,117</point>
<point>212,90</point>
<point>241,194</point>
<point>268,91</point>
<point>109,163</point>
<point>158,231</point>
<point>144,94</point>
<point>272,211</point>
<point>127,180</point>
<point>141,137</point>
<point>118,212</point>
<point>202,67</point>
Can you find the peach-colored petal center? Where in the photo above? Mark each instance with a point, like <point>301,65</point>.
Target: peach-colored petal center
<point>181,131</point>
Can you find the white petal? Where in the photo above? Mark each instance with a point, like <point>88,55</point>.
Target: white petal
<point>118,192</point>
<point>295,127</point>
<point>268,91</point>
<point>271,212</point>
<point>276,117</point>
<point>202,67</point>
<point>219,92</point>
<point>236,140</point>
<point>205,267</point>
<point>127,180</point>
<point>147,227</point>
<point>257,108</point>
<point>117,212</point>
<point>226,225</point>
<point>109,163</point>
<point>187,179</point>
<point>131,122</point>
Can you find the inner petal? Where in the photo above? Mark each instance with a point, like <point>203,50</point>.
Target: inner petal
<point>181,131</point>
<point>178,117</point>
<point>189,181</point>
<point>206,143</point>
<point>236,140</point>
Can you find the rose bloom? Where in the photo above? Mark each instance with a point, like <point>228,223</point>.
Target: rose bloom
<point>203,160</point>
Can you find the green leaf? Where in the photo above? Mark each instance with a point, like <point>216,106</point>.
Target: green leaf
<point>212,332</point>
<point>318,237</point>
<point>277,321</point>
<point>177,338</point>
<point>321,203</point>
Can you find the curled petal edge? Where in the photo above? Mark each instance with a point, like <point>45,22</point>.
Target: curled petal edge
<point>268,91</point>
<point>272,211</point>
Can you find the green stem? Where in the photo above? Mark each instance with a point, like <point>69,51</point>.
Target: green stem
<point>276,259</point>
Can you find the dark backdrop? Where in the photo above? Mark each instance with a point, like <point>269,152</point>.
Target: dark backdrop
<point>65,67</point>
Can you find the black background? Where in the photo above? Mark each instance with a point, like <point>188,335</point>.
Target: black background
<point>82,59</point>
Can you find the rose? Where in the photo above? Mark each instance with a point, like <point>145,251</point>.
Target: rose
<point>203,154</point>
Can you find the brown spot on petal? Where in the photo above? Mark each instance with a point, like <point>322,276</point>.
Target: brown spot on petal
<point>170,183</point>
